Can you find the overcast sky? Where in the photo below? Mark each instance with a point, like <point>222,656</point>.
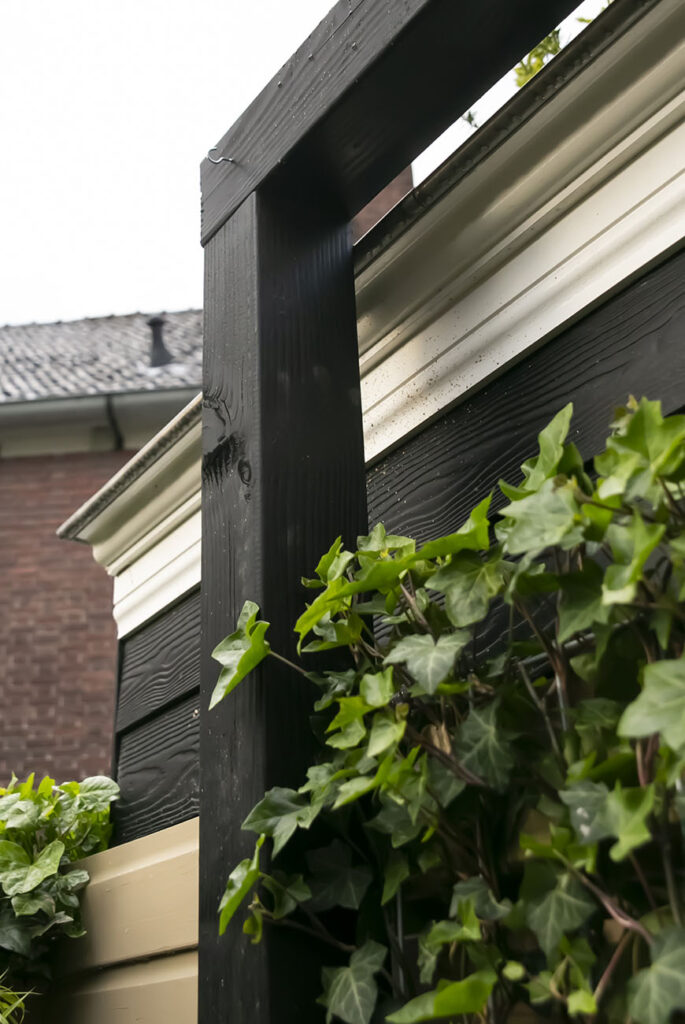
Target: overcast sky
<point>108,107</point>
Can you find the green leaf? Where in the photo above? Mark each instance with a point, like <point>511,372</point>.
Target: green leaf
<point>279,813</point>
<point>467,996</point>
<point>443,932</point>
<point>551,450</point>
<point>350,993</point>
<point>14,936</point>
<point>631,545</point>
<point>486,907</point>
<point>429,661</point>
<point>287,892</point>
<point>332,565</point>
<point>26,904</point>
<point>661,705</point>
<point>469,583</point>
<point>644,447</point>
<point>12,856</point>
<point>379,542</point>
<point>240,881</point>
<point>580,605</point>
<point>550,516</point>
<point>386,731</point>
<point>581,1002</point>
<point>28,877</point>
<point>240,652</point>
<point>377,688</point>
<point>473,536</point>
<point>335,881</point>
<point>349,722</point>
<point>559,910</point>
<point>396,871</point>
<point>514,971</point>
<point>657,991</point>
<point>97,792</point>
<point>482,747</point>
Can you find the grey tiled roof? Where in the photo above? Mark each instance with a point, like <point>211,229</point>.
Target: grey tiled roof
<point>109,354</point>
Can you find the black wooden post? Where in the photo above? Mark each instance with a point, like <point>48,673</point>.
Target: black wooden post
<point>283,468</point>
<point>283,473</point>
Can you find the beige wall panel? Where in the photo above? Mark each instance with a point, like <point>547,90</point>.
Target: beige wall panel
<point>163,991</point>
<point>142,901</point>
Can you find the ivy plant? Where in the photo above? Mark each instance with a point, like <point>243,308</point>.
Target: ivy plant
<point>44,828</point>
<point>493,824</point>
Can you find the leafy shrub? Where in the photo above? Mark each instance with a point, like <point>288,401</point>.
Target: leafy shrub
<point>43,830</point>
<point>498,805</point>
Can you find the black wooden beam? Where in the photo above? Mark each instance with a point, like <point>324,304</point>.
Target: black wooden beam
<point>374,84</point>
<point>283,473</point>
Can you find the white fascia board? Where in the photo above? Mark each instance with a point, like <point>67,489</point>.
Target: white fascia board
<point>582,197</point>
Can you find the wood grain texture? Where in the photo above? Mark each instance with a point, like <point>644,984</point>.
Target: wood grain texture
<point>160,662</point>
<point>633,343</point>
<point>158,772</point>
<point>332,109</point>
<point>282,472</point>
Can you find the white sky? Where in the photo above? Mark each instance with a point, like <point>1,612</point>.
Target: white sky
<point>108,107</point>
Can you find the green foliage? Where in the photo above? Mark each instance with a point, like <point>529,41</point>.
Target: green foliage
<point>496,815</point>
<point>44,828</point>
<point>537,58</point>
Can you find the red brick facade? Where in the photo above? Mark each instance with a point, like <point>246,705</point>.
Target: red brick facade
<point>57,635</point>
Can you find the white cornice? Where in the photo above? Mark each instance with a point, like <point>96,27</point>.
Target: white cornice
<point>521,246</point>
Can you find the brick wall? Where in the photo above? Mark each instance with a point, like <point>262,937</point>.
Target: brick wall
<point>57,635</point>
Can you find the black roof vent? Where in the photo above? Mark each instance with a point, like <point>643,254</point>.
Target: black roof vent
<point>159,354</point>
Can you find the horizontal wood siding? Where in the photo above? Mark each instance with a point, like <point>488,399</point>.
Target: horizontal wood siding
<point>138,960</point>
<point>633,343</point>
<point>158,723</point>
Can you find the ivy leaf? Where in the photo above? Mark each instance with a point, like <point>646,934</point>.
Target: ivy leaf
<point>631,546</point>
<point>287,892</point>
<point>335,881</point>
<point>581,1001</point>
<point>559,910</point>
<point>349,722</point>
<point>550,516</point>
<point>469,582</point>
<point>442,932</point>
<point>458,997</point>
<point>551,450</point>
<point>27,904</point>
<point>486,907</point>
<point>627,811</point>
<point>97,792</point>
<point>473,536</point>
<point>350,993</point>
<point>644,447</point>
<point>239,883</point>
<point>379,542</point>
<point>661,705</point>
<point>240,652</point>
<point>12,856</point>
<point>279,813</point>
<point>396,871</point>
<point>28,877</point>
<point>429,661</point>
<point>580,605</point>
<point>482,747</point>
<point>377,688</point>
<point>386,731</point>
<point>13,934</point>
<point>657,991</point>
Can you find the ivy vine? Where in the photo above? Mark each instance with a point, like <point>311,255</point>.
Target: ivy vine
<point>498,803</point>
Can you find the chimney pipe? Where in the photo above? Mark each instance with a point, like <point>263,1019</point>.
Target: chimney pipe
<point>159,354</point>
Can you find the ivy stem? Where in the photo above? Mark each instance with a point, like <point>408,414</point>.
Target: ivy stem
<point>643,881</point>
<point>665,846</point>
<point>290,664</point>
<point>315,933</point>
<point>615,911</point>
<point>411,603</point>
<point>611,966</point>
<point>543,711</point>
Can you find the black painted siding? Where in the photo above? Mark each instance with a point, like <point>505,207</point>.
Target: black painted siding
<point>158,722</point>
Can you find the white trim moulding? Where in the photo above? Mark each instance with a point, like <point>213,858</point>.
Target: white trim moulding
<point>578,200</point>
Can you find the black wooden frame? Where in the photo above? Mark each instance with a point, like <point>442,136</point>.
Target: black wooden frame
<point>283,465</point>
